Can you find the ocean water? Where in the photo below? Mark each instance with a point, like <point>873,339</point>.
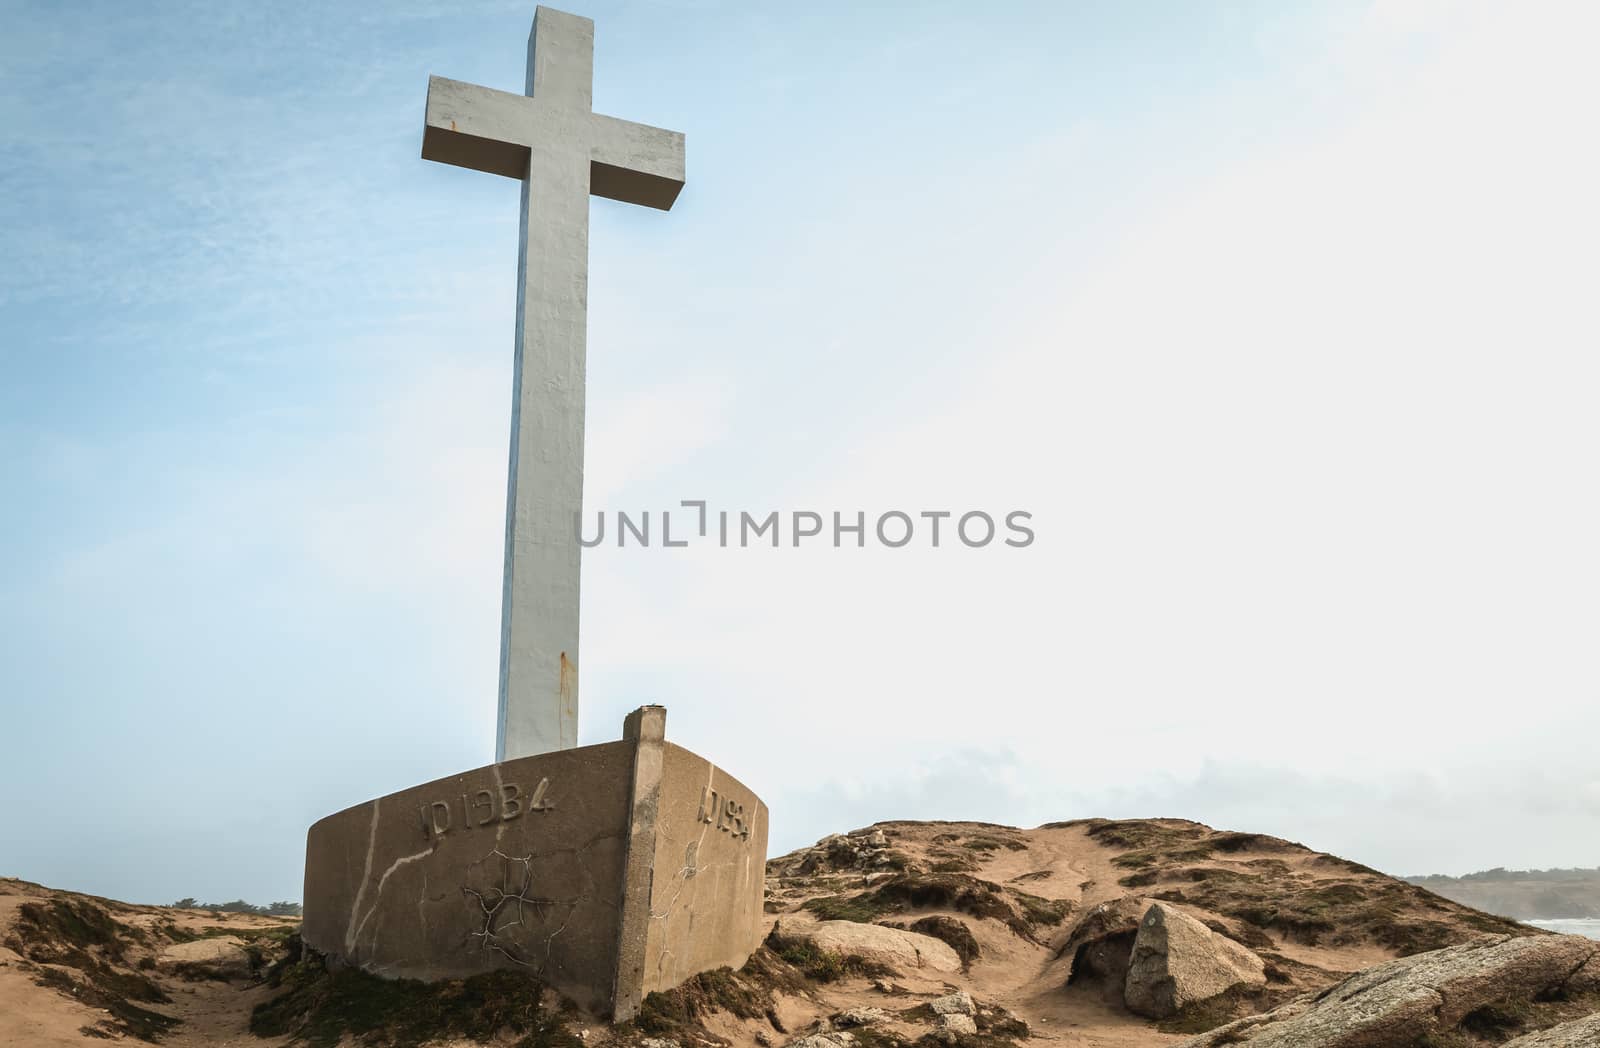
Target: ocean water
<point>1589,926</point>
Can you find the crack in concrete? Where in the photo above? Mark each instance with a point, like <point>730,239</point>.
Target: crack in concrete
<point>378,898</point>
<point>493,900</point>
<point>351,931</point>
<point>422,911</point>
<point>499,791</point>
<point>516,885</point>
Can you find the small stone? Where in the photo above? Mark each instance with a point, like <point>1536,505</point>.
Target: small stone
<point>764,1039</point>
<point>958,1024</point>
<point>823,1040</point>
<point>859,1017</point>
<point>877,840</point>
<point>958,1003</point>
<point>659,1042</point>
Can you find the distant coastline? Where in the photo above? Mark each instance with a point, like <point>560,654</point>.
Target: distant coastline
<point>1540,897</point>
<point>1589,926</point>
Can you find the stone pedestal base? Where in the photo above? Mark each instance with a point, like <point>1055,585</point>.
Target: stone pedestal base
<point>607,871</point>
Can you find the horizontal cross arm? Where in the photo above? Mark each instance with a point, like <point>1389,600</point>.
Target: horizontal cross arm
<point>635,163</point>
<point>477,127</point>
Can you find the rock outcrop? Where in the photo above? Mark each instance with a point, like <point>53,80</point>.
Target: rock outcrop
<point>958,1003</point>
<point>224,956</point>
<point>1102,941</point>
<point>1177,962</point>
<point>897,949</point>
<point>1580,1033</point>
<point>852,1017</point>
<point>1403,1001</point>
<point>860,850</point>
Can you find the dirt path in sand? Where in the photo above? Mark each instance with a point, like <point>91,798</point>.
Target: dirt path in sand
<point>216,1013</point>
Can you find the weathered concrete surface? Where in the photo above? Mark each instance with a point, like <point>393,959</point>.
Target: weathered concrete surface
<point>710,871</point>
<point>1427,995</point>
<point>1177,961</point>
<point>705,863</point>
<point>563,865</point>
<point>563,152</point>
<point>514,865</point>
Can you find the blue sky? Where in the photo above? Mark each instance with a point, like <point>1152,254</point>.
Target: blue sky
<point>1274,318</point>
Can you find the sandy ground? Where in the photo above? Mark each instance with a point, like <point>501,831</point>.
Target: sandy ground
<point>1026,976</point>
<point>1068,863</point>
<point>1023,977</point>
<point>213,1013</point>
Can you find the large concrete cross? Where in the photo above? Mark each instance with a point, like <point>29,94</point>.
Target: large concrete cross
<point>562,151</point>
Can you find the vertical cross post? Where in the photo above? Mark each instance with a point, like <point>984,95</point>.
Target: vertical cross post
<point>562,151</point>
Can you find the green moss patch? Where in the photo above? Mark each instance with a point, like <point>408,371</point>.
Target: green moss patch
<point>1037,910</point>
<point>65,924</point>
<point>1134,860</point>
<point>951,931</point>
<point>781,965</point>
<point>1017,910</point>
<point>1372,909</point>
<point>823,966</point>
<point>318,1007</point>
<point>1213,1012</point>
<point>863,908</point>
<point>680,1012</point>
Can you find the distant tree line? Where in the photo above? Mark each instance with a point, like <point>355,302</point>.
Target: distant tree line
<point>272,909</point>
<point>1500,873</point>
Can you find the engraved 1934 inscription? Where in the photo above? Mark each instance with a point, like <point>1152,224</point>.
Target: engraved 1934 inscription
<point>482,808</point>
<point>727,813</point>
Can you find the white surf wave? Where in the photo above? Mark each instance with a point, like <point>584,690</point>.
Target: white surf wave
<point>1589,926</point>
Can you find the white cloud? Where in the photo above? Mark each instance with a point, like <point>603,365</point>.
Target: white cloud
<point>1306,459</point>
<point>635,436</point>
